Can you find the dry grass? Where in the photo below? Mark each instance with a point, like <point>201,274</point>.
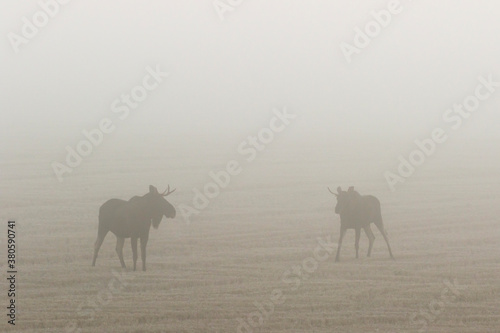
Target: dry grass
<point>443,224</point>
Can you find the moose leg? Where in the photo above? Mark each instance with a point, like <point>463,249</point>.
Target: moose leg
<point>119,249</point>
<point>380,227</point>
<point>144,241</point>
<point>133,241</point>
<point>371,238</point>
<point>342,233</point>
<point>97,245</point>
<point>356,242</point>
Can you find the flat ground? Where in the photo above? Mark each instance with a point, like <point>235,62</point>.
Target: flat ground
<point>211,275</point>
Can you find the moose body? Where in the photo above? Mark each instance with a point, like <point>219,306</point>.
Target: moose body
<point>358,212</point>
<point>132,219</point>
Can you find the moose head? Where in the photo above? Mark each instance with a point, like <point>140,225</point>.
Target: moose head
<point>159,206</point>
<point>343,198</point>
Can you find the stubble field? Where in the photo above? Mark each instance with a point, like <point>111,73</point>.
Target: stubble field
<point>256,244</point>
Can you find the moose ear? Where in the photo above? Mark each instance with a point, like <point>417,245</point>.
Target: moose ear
<point>351,189</point>
<point>153,189</point>
<point>339,190</point>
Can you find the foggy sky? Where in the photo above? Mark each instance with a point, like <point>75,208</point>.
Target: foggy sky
<point>226,76</point>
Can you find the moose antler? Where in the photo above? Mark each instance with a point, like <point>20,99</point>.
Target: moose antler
<point>168,192</point>
<point>335,194</point>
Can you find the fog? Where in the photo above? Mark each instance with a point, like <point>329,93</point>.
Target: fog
<point>226,76</point>
<point>280,98</point>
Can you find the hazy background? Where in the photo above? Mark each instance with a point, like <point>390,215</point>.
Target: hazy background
<point>226,75</point>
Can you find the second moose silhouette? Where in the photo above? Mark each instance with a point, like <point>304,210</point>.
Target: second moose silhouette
<point>358,212</point>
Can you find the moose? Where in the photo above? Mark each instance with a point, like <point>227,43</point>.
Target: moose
<point>357,212</point>
<point>132,219</point>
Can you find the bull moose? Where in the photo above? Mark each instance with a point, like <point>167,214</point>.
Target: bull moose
<point>358,212</point>
<point>132,219</point>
